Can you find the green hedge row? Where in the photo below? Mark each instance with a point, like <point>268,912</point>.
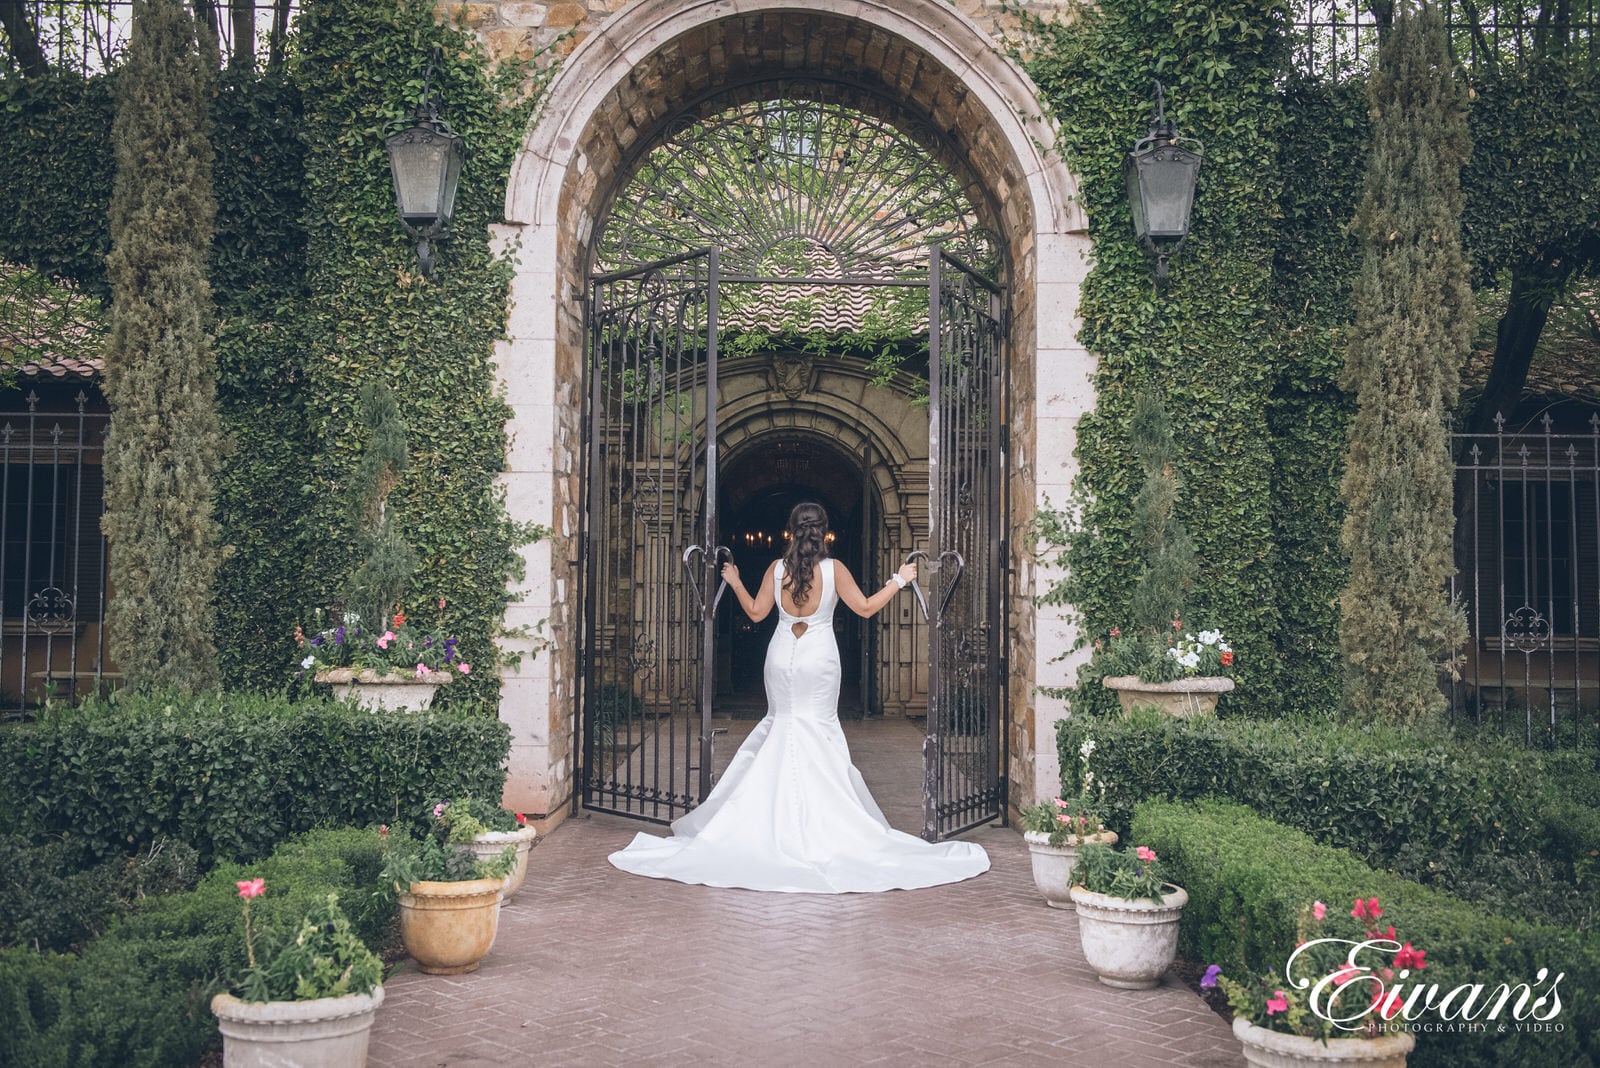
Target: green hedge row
<point>1247,877</point>
<point>232,775</point>
<point>1378,792</point>
<point>140,994</point>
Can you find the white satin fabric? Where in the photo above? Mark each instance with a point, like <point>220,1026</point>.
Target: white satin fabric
<point>791,814</point>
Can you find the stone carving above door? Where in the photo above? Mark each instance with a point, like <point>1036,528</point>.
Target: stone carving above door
<point>792,374</point>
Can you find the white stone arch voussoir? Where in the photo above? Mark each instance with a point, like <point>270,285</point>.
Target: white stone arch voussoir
<point>537,363</point>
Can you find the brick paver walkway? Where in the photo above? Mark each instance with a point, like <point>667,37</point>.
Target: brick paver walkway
<point>596,967</point>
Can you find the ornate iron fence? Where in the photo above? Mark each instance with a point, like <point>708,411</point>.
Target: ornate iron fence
<point>1339,38</point>
<point>52,554</point>
<point>1528,576</point>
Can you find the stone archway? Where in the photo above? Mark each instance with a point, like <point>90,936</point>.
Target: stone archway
<point>610,101</point>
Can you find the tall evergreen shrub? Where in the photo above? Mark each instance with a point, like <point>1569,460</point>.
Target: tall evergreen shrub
<point>164,450</point>
<point>1413,322</point>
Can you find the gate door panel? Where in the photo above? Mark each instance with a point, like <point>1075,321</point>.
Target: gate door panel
<point>649,506</point>
<point>964,752</point>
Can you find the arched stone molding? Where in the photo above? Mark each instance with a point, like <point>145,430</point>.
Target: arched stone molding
<point>611,99</point>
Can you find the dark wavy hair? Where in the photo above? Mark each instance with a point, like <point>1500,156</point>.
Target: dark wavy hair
<point>808,543</point>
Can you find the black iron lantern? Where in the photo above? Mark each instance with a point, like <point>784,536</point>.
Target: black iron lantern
<point>425,160</point>
<point>1161,171</point>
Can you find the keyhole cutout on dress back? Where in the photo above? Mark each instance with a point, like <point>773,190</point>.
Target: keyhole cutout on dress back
<point>798,628</point>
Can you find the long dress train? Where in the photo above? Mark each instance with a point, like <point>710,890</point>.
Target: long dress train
<point>792,814</point>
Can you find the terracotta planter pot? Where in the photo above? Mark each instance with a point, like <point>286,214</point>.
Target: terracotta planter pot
<point>448,928</point>
<point>1052,865</point>
<point>325,1033</point>
<point>491,844</point>
<point>1270,1049</point>
<point>1181,697</point>
<point>384,693</point>
<point>1129,944</point>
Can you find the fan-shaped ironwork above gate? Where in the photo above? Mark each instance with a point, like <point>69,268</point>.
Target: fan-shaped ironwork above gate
<point>797,189</point>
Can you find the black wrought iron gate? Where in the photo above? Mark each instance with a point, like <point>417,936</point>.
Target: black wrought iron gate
<point>648,564</point>
<point>965,751</point>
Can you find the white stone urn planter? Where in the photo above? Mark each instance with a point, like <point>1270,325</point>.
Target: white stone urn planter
<point>1129,944</point>
<point>1052,865</point>
<point>1181,697</point>
<point>384,693</point>
<point>1272,1049</point>
<point>324,1033</point>
<point>490,844</point>
<point>448,928</point>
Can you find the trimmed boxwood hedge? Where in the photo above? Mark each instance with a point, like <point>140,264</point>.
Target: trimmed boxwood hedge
<point>140,994</point>
<point>1377,791</point>
<point>1247,877</point>
<point>234,774</point>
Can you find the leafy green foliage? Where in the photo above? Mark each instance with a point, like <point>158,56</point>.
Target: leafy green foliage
<point>322,958</point>
<point>1379,792</point>
<point>1120,873</point>
<point>1248,879</point>
<point>138,995</point>
<point>434,861</point>
<point>164,449</point>
<point>232,775</point>
<point>1413,323</point>
<point>48,903</point>
<point>379,583</point>
<point>1208,345</point>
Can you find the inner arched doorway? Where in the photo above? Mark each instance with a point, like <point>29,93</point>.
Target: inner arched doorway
<point>904,63</point>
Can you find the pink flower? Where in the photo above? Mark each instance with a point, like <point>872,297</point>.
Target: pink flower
<point>1116,632</point>
<point>1359,911</point>
<point>1318,910</point>
<point>249,888</point>
<point>421,671</point>
<point>383,830</point>
<point>441,604</point>
<point>388,636</point>
<point>438,810</point>
<point>1387,1002</point>
<point>464,667</point>
<point>1277,1003</point>
<point>1060,803</point>
<point>1345,974</point>
<point>1064,819</point>
<point>1410,958</point>
<point>1145,853</point>
<point>1372,908</point>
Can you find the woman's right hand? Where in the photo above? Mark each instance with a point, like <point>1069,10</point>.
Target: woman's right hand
<point>730,575</point>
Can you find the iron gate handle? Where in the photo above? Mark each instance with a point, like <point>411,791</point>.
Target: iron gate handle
<point>694,583</point>
<point>946,558</point>
<point>721,551</point>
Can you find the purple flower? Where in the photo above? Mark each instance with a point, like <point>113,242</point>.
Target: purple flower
<point>338,636</point>
<point>317,640</point>
<point>1209,980</point>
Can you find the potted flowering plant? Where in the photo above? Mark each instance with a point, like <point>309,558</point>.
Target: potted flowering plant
<point>1055,829</point>
<point>1127,915</point>
<point>449,898</point>
<point>1334,998</point>
<point>308,999</point>
<point>398,665</point>
<point>1179,671</point>
<point>488,829</point>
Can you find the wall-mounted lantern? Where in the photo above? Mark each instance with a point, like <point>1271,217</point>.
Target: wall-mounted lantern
<point>1160,171</point>
<point>425,160</point>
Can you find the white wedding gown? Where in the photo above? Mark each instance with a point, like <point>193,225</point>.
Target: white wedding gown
<point>792,814</point>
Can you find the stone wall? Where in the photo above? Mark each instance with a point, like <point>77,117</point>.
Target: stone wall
<point>543,32</point>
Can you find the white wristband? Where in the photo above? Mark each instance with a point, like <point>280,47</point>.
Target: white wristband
<point>897,580</point>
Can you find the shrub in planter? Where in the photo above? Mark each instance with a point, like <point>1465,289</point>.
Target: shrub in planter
<point>1249,876</point>
<point>449,900</point>
<point>1127,915</point>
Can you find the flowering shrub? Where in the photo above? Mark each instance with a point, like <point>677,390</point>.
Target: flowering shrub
<point>323,959</point>
<point>1165,655</point>
<point>1080,816</point>
<point>1133,874</point>
<point>396,649</point>
<point>444,854</point>
<point>1340,981</point>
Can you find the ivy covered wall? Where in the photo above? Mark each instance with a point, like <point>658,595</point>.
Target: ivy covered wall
<point>317,291</point>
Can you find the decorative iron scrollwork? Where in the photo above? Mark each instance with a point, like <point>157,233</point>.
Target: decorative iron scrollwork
<point>1526,629</point>
<point>51,610</point>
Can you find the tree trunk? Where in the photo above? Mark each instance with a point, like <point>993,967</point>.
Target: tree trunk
<point>243,15</point>
<point>280,30</point>
<point>24,39</point>
<point>1534,288</point>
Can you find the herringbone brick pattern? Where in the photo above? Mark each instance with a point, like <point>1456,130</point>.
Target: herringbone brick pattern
<point>596,967</point>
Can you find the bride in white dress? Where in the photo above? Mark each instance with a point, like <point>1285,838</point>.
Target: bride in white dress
<point>791,814</point>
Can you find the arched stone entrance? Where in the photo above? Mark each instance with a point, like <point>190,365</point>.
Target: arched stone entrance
<point>915,59</point>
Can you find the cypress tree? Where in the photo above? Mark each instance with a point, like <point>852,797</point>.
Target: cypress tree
<point>164,450</point>
<point>379,584</point>
<point>1413,317</point>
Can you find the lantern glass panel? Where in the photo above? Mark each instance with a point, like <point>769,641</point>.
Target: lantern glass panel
<point>419,168</point>
<point>1166,180</point>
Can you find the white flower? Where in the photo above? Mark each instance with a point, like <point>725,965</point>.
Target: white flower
<point>1190,660</point>
<point>1224,647</point>
<point>1210,637</point>
<point>305,665</point>
<point>1176,654</point>
<point>1086,748</point>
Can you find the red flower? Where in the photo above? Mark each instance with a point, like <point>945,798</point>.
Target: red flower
<point>249,888</point>
<point>1366,910</point>
<point>1177,624</point>
<point>1227,658</point>
<point>1387,1002</point>
<point>1115,632</point>
<point>1373,910</point>
<point>1410,958</point>
<point>521,819</point>
<point>399,619</point>
<point>1360,909</point>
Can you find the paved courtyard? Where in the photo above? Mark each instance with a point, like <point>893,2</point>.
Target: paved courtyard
<point>596,967</point>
